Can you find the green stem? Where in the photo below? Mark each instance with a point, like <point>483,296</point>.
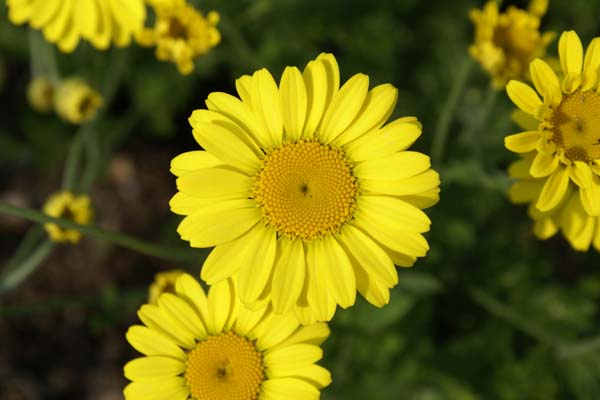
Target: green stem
<point>31,239</point>
<point>508,314</point>
<point>445,119</point>
<point>580,348</point>
<point>472,136</point>
<point>151,249</point>
<point>18,275</point>
<point>73,160</point>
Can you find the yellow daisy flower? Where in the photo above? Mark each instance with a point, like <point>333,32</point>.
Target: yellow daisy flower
<point>75,101</point>
<point>303,190</point>
<point>563,147</point>
<point>66,205</point>
<point>180,33</point>
<point>505,43</point>
<point>213,348</point>
<point>66,22</point>
<point>164,282</point>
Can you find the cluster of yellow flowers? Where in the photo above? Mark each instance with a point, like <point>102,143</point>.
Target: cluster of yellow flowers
<point>309,195</point>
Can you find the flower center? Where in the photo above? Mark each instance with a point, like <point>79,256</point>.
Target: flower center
<point>225,366</point>
<point>306,189</point>
<point>576,125</point>
<point>177,30</point>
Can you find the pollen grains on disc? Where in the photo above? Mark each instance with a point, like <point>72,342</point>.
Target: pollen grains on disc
<point>576,125</point>
<point>306,189</point>
<point>225,366</point>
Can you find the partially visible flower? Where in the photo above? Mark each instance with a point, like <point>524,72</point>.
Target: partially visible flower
<point>40,93</point>
<point>66,22</point>
<point>212,348</point>
<point>505,43</point>
<point>76,101</point>
<point>180,33</point>
<point>164,282</point>
<point>66,205</point>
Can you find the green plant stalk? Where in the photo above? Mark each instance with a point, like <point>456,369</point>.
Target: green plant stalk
<point>31,239</point>
<point>445,119</point>
<point>17,275</point>
<point>514,318</point>
<point>151,249</point>
<point>580,348</point>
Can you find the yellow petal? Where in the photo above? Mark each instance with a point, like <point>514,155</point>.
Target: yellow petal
<point>157,388</point>
<point>45,11</point>
<point>152,343</point>
<point>227,259</point>
<point>319,299</point>
<point>590,197</point>
<point>219,223</point>
<point>344,107</point>
<point>396,136</point>
<point>289,389</point>
<point>570,51</point>
<point>267,105</point>
<point>87,15</point>
<point>287,358</point>
<point>336,270</point>
<point>221,298</point>
<point>378,107</point>
<point>146,368</point>
<point>189,288</point>
<point>315,81</point>
<point>545,81</point>
<point>333,74</point>
<point>581,174</point>
<point>543,165</point>
<point>314,334</point>
<point>545,228</point>
<point>156,320</point>
<point>228,147</point>
<point>554,190</point>
<point>260,260</point>
<point>392,211</point>
<point>525,191</point>
<point>277,329</point>
<point>313,374</point>
<point>369,287</point>
<point>397,166</point>
<point>522,142</point>
<point>216,183</point>
<point>181,311</point>
<point>288,277</point>
<point>591,64</point>
<point>372,258</point>
<point>183,204</point>
<point>193,160</point>
<point>523,96</point>
<point>293,101</point>
<point>418,184</point>
<point>248,319</point>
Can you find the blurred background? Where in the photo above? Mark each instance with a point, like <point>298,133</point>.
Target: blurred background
<point>490,313</point>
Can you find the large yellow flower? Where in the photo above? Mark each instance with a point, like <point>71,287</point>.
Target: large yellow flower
<point>505,43</point>
<point>213,348</point>
<point>180,33</point>
<point>303,191</point>
<point>562,150</point>
<point>65,22</point>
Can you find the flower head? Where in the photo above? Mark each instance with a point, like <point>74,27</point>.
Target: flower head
<point>75,101</point>
<point>304,191</point>
<point>66,205</point>
<point>563,148</point>
<point>181,33</point>
<point>164,282</point>
<point>505,43</point>
<point>213,348</point>
<point>66,22</point>
<point>40,93</point>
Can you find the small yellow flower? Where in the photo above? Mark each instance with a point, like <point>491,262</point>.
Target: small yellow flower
<point>66,22</point>
<point>307,194</point>
<point>505,43</point>
<point>40,93</point>
<point>164,282</point>
<point>75,101</point>
<point>66,205</point>
<point>180,33</point>
<point>210,347</point>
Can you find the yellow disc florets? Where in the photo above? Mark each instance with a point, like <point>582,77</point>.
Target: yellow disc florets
<point>225,366</point>
<point>576,125</point>
<point>306,189</point>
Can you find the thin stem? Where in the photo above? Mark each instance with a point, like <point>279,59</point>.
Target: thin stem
<point>445,119</point>
<point>18,275</point>
<point>73,160</point>
<point>472,135</point>
<point>31,239</point>
<point>580,348</point>
<point>151,249</point>
<point>510,315</point>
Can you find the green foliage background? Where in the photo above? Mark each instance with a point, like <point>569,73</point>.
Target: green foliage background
<point>490,313</point>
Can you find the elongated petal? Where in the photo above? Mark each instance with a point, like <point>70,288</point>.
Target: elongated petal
<point>189,288</point>
<point>344,107</point>
<point>581,174</point>
<point>293,101</point>
<point>591,64</point>
<point>221,297</point>
<point>180,310</point>
<point>336,270</point>
<point>570,51</point>
<point>216,183</point>
<point>146,368</point>
<point>554,190</point>
<point>315,81</point>
<point>388,210</point>
<point>590,198</point>
<point>289,274</point>
<point>319,298</point>
<point>397,166</point>
<point>277,329</point>
<point>152,343</point>
<point>260,260</point>
<point>268,105</point>
<point>545,81</point>
<point>156,388</point>
<point>543,165</point>
<point>193,160</point>
<point>289,389</point>
<point>523,96</point>
<point>414,185</point>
